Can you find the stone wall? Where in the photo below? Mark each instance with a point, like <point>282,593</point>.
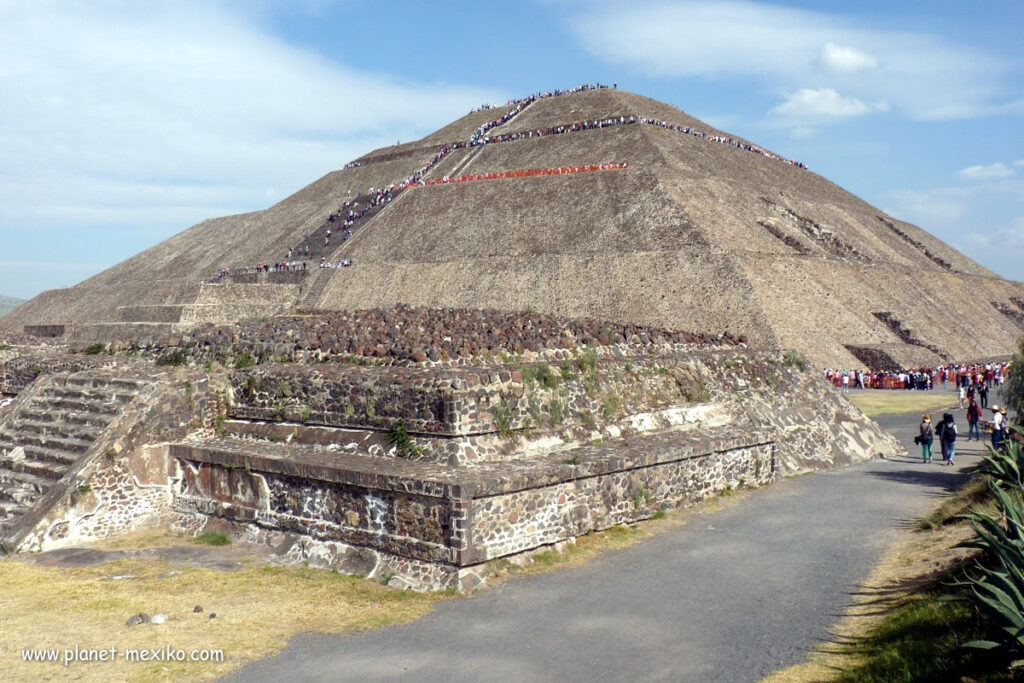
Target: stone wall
<point>437,530</point>
<point>514,411</point>
<point>430,401</point>
<point>229,301</point>
<point>18,373</point>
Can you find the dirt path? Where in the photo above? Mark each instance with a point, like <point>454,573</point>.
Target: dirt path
<point>732,595</point>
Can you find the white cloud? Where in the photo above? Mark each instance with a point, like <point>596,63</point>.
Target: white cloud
<point>916,73</point>
<point>1019,162</point>
<point>991,172</point>
<point>846,59</point>
<point>983,219</point>
<point>120,117</point>
<point>825,102</point>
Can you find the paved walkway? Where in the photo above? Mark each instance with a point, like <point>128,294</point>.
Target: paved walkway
<point>732,595</point>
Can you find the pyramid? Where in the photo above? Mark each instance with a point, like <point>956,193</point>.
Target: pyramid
<point>595,202</point>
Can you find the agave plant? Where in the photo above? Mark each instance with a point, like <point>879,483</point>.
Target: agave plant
<point>996,584</point>
<point>1006,466</point>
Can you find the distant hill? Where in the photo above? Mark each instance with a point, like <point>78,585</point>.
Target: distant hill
<point>9,303</point>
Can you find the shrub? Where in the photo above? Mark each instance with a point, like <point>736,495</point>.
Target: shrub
<point>612,405</point>
<point>404,443</point>
<point>567,370</point>
<point>245,361</point>
<point>503,418</point>
<point>541,374</point>
<point>794,359</point>
<point>94,349</point>
<point>588,360</point>
<point>1013,388</point>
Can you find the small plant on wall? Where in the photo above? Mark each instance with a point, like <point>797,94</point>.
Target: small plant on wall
<point>404,443</point>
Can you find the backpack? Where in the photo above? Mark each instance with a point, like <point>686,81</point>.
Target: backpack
<point>948,432</point>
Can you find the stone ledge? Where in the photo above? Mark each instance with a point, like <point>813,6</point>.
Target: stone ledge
<point>440,481</point>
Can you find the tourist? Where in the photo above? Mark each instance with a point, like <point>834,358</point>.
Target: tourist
<point>947,438</point>
<point>997,427</point>
<point>973,416</point>
<point>926,437</point>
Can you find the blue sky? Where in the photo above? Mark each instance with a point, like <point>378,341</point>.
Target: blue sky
<point>124,123</point>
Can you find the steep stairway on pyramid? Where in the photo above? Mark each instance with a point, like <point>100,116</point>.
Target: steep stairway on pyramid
<point>51,427</point>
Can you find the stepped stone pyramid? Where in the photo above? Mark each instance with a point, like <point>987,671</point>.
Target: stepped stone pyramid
<point>680,226</point>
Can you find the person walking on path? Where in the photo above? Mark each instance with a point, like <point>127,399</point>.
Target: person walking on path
<point>947,437</point>
<point>997,428</point>
<point>973,416</point>
<point>961,394</point>
<point>926,437</point>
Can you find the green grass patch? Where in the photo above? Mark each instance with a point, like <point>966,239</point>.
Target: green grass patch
<point>880,402</point>
<point>214,538</point>
<point>920,641</point>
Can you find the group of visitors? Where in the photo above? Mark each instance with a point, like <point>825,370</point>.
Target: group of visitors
<point>947,434</point>
<point>967,377</point>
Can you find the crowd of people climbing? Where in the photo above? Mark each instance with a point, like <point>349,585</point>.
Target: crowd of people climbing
<point>376,198</point>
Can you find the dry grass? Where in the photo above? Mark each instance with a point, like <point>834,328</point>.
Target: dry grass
<point>875,403</point>
<point>258,609</point>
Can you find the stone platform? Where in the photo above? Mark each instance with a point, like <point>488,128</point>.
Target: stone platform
<point>421,473</point>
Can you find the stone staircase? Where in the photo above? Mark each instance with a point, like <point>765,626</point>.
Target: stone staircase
<point>47,433</point>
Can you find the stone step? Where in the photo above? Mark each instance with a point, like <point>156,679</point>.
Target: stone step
<point>39,468</point>
<point>53,403</point>
<point>57,457</point>
<point>22,488</point>
<point>58,428</point>
<point>100,396</point>
<point>10,511</point>
<point>90,420</point>
<point>67,445</point>
<point>119,383</point>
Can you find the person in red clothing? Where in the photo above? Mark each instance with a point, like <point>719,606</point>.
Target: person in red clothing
<point>973,416</point>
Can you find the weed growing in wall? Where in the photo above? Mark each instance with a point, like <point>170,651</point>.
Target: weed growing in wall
<point>611,406</point>
<point>503,419</point>
<point>245,361</point>
<point>403,442</point>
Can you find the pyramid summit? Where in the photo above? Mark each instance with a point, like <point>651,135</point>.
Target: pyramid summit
<point>592,202</point>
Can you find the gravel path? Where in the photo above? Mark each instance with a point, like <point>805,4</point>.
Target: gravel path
<point>732,595</point>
